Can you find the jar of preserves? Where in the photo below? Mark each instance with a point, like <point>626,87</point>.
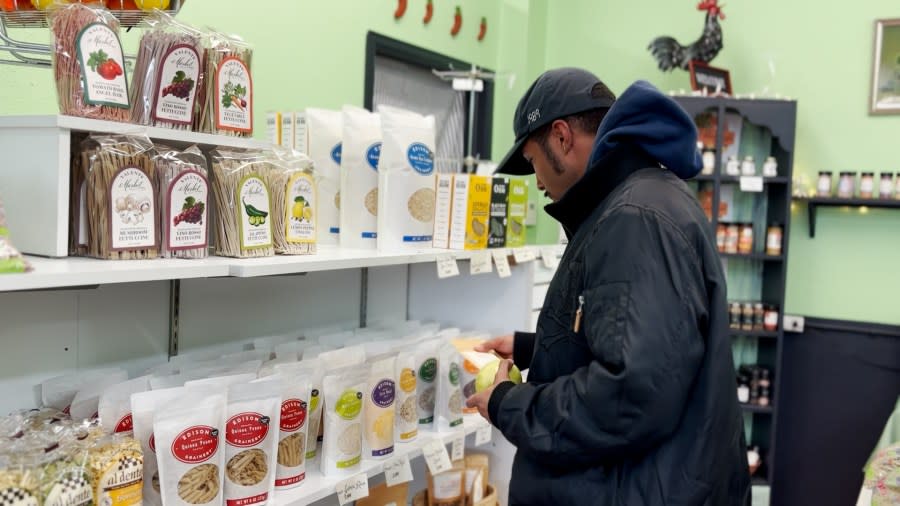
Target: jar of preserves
<point>774,238</point>
<point>758,316</point>
<point>748,166</point>
<point>770,320</point>
<point>732,166</point>
<point>734,315</point>
<point>867,185</point>
<point>823,186</point>
<point>745,242</point>
<point>886,187</point>
<point>732,236</point>
<point>846,185</point>
<point>770,167</point>
<point>709,162</point>
<point>747,316</point>
<point>721,233</point>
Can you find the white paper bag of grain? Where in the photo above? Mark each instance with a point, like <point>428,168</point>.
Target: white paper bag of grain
<point>359,178</point>
<point>406,182</point>
<point>323,132</point>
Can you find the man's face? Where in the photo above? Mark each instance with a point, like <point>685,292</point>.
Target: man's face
<point>557,165</point>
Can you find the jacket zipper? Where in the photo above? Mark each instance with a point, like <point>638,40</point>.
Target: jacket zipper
<point>579,313</point>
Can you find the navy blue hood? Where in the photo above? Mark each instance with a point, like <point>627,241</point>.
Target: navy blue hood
<point>645,117</point>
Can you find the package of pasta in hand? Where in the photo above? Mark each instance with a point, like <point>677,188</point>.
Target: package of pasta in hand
<point>166,73</point>
<point>251,442</point>
<point>183,202</point>
<point>294,203</point>
<point>406,179</point>
<point>226,100</point>
<point>243,204</point>
<point>88,62</point>
<point>189,442</point>
<point>118,197</point>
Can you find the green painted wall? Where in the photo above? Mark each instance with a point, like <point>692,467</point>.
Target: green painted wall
<point>820,55</point>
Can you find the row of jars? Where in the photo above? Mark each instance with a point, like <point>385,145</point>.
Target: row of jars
<point>752,316</point>
<point>847,187</point>
<point>733,167</point>
<point>754,385</point>
<point>737,238</point>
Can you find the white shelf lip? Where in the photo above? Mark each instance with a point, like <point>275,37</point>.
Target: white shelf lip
<point>317,487</point>
<point>73,123</point>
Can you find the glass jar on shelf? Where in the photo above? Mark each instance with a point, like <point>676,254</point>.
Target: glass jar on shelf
<point>732,167</point>
<point>732,236</point>
<point>867,185</point>
<point>748,166</point>
<point>721,234</point>
<point>745,242</point>
<point>770,320</point>
<point>770,167</point>
<point>823,187</point>
<point>758,316</point>
<point>846,185</point>
<point>734,315</point>
<point>886,186</point>
<point>774,238</point>
<point>709,162</point>
<point>747,316</point>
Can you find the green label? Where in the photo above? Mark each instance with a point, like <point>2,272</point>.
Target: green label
<point>456,422</point>
<point>343,464</point>
<point>349,404</point>
<point>428,370</point>
<point>454,374</point>
<point>253,207</point>
<point>516,211</point>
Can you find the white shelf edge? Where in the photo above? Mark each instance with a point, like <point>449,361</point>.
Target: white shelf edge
<point>317,487</point>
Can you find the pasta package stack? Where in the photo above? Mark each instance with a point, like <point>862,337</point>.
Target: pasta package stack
<point>294,203</point>
<point>166,74</point>
<point>251,442</point>
<point>183,202</point>
<point>242,192</point>
<point>225,101</point>
<point>118,198</point>
<point>88,63</point>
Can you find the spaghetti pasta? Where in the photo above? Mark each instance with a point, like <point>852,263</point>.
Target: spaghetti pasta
<point>243,204</point>
<point>226,110</point>
<point>183,202</point>
<point>294,199</point>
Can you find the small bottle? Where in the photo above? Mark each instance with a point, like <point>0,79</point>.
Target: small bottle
<point>732,167</point>
<point>747,316</point>
<point>759,314</point>
<point>721,233</point>
<point>764,379</point>
<point>745,242</point>
<point>867,185</point>
<point>774,237</point>
<point>770,167</point>
<point>763,399</point>
<point>886,187</point>
<point>823,187</point>
<point>734,314</point>
<point>743,391</point>
<point>733,233</point>
<point>846,185</point>
<point>709,162</point>
<point>770,320</point>
<point>748,167</point>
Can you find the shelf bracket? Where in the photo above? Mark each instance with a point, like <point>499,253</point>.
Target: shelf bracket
<point>811,211</point>
<point>363,296</point>
<point>174,309</point>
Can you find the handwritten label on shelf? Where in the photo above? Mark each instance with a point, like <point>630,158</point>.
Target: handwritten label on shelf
<point>548,255</point>
<point>397,470</point>
<point>447,267</point>
<point>436,456</point>
<point>457,447</point>
<point>502,263</point>
<point>483,435</point>
<point>480,263</point>
<point>751,184</point>
<point>522,255</point>
<point>353,488</point>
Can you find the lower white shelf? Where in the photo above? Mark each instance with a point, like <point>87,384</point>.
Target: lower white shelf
<point>317,487</point>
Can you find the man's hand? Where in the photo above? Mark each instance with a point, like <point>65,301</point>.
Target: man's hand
<point>502,346</point>
<point>481,399</point>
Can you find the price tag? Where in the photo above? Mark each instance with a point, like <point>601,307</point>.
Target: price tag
<point>353,488</point>
<point>502,263</point>
<point>483,434</point>
<point>522,255</point>
<point>397,470</point>
<point>436,457</point>
<point>447,267</point>
<point>548,255</point>
<point>457,447</point>
<point>751,184</point>
<point>480,263</point>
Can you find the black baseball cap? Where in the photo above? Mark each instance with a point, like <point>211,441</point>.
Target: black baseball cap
<point>555,94</point>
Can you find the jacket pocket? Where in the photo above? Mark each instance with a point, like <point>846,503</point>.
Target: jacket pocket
<point>605,321</point>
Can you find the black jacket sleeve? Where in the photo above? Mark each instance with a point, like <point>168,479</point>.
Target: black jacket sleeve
<point>642,306</point>
<point>523,349</point>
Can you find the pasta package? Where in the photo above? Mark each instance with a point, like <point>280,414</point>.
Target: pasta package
<point>114,405</point>
<point>315,372</point>
<point>449,402</point>
<point>143,407</point>
<point>342,436</point>
<point>406,416</point>
<point>359,178</point>
<point>183,202</point>
<point>120,197</point>
<point>497,225</point>
<point>378,412</point>
<point>116,467</point>
<point>58,392</point>
<point>324,131</point>
<point>470,212</point>
<point>443,200</point>
<point>252,424</point>
<point>426,380</point>
<point>516,211</point>
<point>65,478</point>
<point>188,435</point>
<point>220,384</point>
<point>19,479</point>
<point>406,180</point>
<point>294,204</point>
<point>243,204</point>
<point>225,101</point>
<point>290,470</point>
<point>88,63</point>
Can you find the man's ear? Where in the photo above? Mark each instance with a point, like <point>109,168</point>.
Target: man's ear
<point>561,133</point>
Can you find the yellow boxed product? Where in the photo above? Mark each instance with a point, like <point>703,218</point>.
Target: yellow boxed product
<point>470,212</point>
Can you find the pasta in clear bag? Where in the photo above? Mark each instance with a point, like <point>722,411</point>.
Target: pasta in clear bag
<point>242,194</point>
<point>294,203</point>
<point>183,202</point>
<point>225,101</point>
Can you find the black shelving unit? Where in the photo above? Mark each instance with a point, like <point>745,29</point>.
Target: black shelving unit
<point>779,118</point>
<point>813,203</point>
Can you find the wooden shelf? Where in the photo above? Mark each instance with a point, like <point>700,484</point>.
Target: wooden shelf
<point>753,333</point>
<point>813,203</point>
<point>753,256</point>
<point>753,408</point>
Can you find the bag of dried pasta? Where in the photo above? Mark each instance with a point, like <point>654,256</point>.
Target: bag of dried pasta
<point>65,478</point>
<point>120,194</point>
<point>116,466</point>
<point>183,202</point>
<point>166,73</point>
<point>253,413</point>
<point>243,204</point>
<point>294,200</point>
<point>20,476</point>
<point>226,100</point>
<point>88,62</point>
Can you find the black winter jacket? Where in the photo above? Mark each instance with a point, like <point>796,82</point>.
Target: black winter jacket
<point>638,406</point>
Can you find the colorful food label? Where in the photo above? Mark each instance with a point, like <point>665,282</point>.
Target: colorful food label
<point>246,430</point>
<point>125,424</point>
<point>373,154</point>
<point>73,490</point>
<point>253,209</point>
<point>234,96</point>
<point>176,86</point>
<point>196,444</point>
<point>300,206</point>
<point>420,158</point>
<point>293,415</point>
<point>349,405</point>
<point>102,66</point>
<point>497,226</point>
<point>188,194</point>
<point>516,211</point>
<point>478,212</point>
<point>383,393</point>
<point>121,483</point>
<point>132,210</point>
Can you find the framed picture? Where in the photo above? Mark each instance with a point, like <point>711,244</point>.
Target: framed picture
<point>885,95</point>
<point>711,80</point>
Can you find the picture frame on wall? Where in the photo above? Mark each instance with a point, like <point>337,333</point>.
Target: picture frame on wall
<point>710,80</point>
<point>885,92</point>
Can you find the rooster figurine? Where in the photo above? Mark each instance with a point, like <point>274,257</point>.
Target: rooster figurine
<point>670,54</point>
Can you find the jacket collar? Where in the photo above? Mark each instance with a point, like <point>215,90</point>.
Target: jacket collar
<point>597,183</point>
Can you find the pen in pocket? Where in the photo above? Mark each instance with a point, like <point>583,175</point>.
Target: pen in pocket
<point>579,313</point>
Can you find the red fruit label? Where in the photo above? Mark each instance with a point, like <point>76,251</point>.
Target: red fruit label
<point>152,443</point>
<point>126,424</point>
<point>246,429</point>
<point>293,415</point>
<point>195,445</point>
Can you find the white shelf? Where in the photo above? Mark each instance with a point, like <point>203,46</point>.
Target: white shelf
<point>318,487</point>
<point>76,124</point>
